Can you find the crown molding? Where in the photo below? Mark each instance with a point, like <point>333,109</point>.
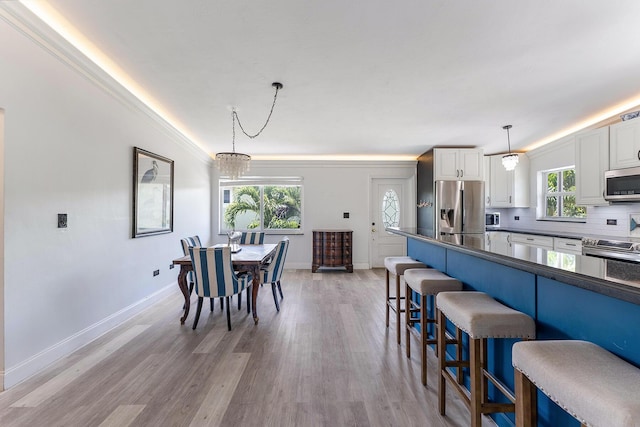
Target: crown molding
<point>25,22</point>
<point>334,163</point>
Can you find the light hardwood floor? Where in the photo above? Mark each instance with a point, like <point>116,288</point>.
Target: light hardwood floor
<point>325,360</point>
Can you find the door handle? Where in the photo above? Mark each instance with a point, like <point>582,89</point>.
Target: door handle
<point>462,170</point>
<point>458,170</point>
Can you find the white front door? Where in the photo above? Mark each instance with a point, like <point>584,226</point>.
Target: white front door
<point>390,203</point>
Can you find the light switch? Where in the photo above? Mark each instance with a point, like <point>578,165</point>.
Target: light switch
<point>62,220</point>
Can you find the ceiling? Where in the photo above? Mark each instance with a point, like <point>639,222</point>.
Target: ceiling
<point>386,78</point>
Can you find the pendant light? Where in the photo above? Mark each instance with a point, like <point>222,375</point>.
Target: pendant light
<point>234,164</point>
<point>509,161</point>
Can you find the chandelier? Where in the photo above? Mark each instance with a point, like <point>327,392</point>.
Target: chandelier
<point>234,164</point>
<point>509,161</point>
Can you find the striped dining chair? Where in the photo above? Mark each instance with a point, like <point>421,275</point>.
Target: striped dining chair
<point>192,242</point>
<point>215,277</point>
<point>252,238</point>
<point>273,272</point>
<point>187,242</point>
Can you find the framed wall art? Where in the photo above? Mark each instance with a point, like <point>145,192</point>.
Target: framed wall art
<point>152,194</point>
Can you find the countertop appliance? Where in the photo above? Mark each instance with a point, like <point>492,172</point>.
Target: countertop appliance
<point>622,185</point>
<point>615,249</point>
<point>492,219</point>
<point>459,207</point>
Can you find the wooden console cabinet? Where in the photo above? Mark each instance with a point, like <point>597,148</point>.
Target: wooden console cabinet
<point>332,248</point>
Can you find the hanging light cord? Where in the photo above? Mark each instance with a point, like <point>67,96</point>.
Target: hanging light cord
<point>234,117</point>
<point>507,127</point>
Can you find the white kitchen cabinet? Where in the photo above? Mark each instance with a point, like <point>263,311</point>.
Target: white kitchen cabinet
<point>624,148</point>
<point>464,164</point>
<point>571,246</point>
<point>487,181</point>
<point>498,242</point>
<point>509,189</point>
<point>592,266</point>
<point>592,160</point>
<point>545,242</point>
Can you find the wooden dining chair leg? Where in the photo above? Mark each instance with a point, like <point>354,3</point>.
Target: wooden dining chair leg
<point>275,296</point>
<point>239,300</point>
<point>280,290</point>
<point>249,292</point>
<point>211,303</point>
<point>199,309</point>
<point>221,303</point>
<point>228,315</point>
<point>190,291</point>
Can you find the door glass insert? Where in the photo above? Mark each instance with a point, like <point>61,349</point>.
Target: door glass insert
<point>390,209</point>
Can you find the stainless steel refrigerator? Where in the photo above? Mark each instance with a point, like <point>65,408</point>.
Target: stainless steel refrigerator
<point>459,207</point>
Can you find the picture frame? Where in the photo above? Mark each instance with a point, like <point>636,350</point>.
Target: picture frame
<point>152,194</point>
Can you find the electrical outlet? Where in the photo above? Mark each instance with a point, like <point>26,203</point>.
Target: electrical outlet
<point>517,218</point>
<point>171,266</point>
<point>156,272</point>
<point>612,222</point>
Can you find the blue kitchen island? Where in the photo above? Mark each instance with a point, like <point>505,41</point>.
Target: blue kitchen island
<point>570,296</point>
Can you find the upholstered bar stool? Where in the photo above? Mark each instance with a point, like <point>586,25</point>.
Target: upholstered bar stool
<point>397,267</point>
<point>593,385</point>
<point>481,317</point>
<point>425,282</point>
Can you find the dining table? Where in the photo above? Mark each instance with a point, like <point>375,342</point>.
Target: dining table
<point>249,258</point>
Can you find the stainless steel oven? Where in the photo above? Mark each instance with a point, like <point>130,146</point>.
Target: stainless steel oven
<point>611,249</point>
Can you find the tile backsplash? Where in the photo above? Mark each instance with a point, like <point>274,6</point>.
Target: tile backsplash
<point>596,224</point>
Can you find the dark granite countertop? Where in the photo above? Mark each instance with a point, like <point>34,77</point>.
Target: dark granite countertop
<point>618,279</point>
<point>536,232</point>
<point>561,234</point>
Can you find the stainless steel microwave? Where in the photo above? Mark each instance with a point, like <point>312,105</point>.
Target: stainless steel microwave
<point>492,219</point>
<point>622,185</point>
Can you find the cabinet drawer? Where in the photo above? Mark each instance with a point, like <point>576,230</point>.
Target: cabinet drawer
<point>532,240</point>
<point>567,245</point>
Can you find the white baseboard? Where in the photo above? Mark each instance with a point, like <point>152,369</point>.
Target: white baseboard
<point>38,362</point>
<point>307,266</point>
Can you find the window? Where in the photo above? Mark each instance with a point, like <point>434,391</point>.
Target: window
<point>390,209</point>
<point>561,260</point>
<point>560,195</point>
<point>261,204</point>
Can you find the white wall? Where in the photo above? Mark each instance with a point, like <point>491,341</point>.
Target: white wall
<point>559,154</point>
<point>2,364</point>
<point>331,188</point>
<point>68,149</point>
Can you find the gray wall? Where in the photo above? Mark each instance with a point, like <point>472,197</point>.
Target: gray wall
<point>68,140</point>
<point>330,189</point>
<point>68,149</point>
